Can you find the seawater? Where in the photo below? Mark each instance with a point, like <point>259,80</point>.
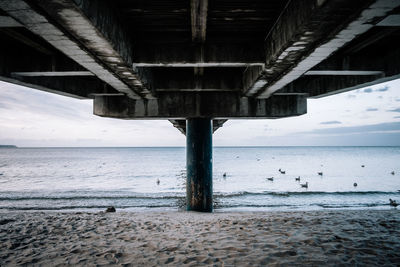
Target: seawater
<point>91,179</point>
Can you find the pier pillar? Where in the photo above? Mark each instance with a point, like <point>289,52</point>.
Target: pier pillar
<point>199,164</point>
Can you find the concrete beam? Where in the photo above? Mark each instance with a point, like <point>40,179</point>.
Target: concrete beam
<point>309,31</point>
<point>187,55</point>
<point>321,86</point>
<point>216,105</point>
<point>79,36</point>
<point>198,13</point>
<point>9,22</point>
<point>184,79</point>
<point>252,78</point>
<point>370,65</point>
<point>22,57</point>
<point>76,87</point>
<point>181,125</point>
<point>343,73</point>
<point>52,73</point>
<point>198,65</point>
<point>39,46</point>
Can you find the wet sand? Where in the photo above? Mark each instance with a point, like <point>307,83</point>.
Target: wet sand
<point>191,239</point>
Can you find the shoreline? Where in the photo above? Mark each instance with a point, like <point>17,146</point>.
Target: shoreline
<point>331,237</point>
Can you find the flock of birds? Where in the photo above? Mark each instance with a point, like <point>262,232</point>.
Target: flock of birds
<point>392,202</point>
<point>297,179</point>
<point>305,185</point>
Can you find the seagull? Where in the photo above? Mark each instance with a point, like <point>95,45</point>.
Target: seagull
<point>320,173</point>
<point>270,178</point>
<point>297,179</point>
<point>304,185</point>
<point>393,202</point>
<point>355,184</point>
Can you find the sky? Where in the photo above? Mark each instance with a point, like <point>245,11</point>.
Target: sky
<point>364,117</point>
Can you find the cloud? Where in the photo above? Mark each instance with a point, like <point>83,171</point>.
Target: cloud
<point>331,122</point>
<point>394,110</point>
<point>383,89</point>
<point>396,117</point>
<point>371,109</point>
<point>351,96</point>
<point>381,127</point>
<point>383,134</point>
<point>368,90</point>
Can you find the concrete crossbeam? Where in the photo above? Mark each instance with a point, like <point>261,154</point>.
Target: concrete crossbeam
<point>187,55</point>
<point>216,105</point>
<point>184,79</point>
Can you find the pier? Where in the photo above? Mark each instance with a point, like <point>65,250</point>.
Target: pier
<point>199,63</point>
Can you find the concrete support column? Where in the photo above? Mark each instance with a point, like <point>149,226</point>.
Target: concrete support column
<point>199,165</point>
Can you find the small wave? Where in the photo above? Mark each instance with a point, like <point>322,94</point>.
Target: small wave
<point>171,196</point>
<point>89,198</point>
<point>81,207</point>
<point>358,205</point>
<point>304,193</point>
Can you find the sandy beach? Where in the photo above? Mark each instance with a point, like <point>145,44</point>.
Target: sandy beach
<point>363,237</point>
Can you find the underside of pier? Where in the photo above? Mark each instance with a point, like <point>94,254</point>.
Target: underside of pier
<point>199,63</point>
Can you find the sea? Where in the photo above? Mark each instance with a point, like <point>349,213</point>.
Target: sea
<point>92,179</point>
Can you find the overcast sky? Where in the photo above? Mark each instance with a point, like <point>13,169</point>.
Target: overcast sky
<point>368,116</point>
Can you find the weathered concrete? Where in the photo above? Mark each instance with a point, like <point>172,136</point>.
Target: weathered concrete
<point>216,105</point>
<point>186,55</point>
<point>184,79</point>
<point>75,87</point>
<point>40,25</point>
<point>310,31</point>
<point>181,125</point>
<point>356,67</point>
<point>199,190</point>
<point>8,22</point>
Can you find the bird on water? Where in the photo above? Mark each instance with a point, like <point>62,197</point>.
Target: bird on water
<point>270,178</point>
<point>224,175</point>
<point>355,184</point>
<point>282,171</point>
<point>393,203</point>
<point>304,185</point>
<point>297,179</point>
<point>320,173</point>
